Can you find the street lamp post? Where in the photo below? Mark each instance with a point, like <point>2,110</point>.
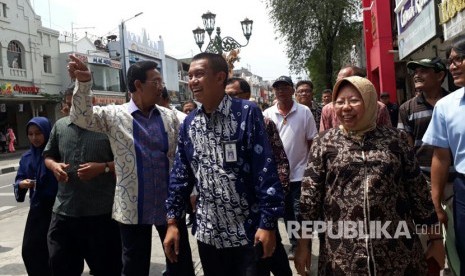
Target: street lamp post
<point>123,56</point>
<point>218,44</point>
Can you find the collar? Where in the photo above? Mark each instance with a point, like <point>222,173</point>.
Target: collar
<point>421,98</point>
<point>460,93</point>
<point>224,108</point>
<point>68,120</point>
<point>132,107</point>
<point>293,108</point>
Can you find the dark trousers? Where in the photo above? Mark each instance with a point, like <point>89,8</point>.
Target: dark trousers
<point>137,246</point>
<point>459,219</point>
<point>278,263</point>
<point>292,206</point>
<point>95,239</point>
<point>3,145</point>
<point>235,261</point>
<point>34,249</point>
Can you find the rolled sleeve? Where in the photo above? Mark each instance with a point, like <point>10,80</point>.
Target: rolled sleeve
<point>436,134</point>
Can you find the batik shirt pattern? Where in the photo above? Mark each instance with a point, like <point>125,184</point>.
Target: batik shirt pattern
<point>373,179</point>
<point>234,197</point>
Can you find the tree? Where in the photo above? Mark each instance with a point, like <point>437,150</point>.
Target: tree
<point>318,34</point>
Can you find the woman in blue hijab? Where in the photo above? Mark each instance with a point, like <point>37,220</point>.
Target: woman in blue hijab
<point>34,176</point>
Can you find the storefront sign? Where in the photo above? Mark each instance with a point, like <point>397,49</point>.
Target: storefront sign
<point>448,9</point>
<point>11,89</point>
<point>409,11</point>
<point>144,50</point>
<point>104,61</point>
<point>104,100</point>
<point>416,24</point>
<point>452,15</point>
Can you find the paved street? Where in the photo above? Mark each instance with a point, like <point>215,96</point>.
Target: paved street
<point>13,219</point>
<point>7,198</point>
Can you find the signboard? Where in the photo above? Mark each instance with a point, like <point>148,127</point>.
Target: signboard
<point>416,25</point>
<point>448,9</point>
<point>8,88</point>
<point>452,17</point>
<point>99,60</point>
<point>104,100</point>
<point>104,61</point>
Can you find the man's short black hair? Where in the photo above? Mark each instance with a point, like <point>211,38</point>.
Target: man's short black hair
<point>244,85</point>
<point>458,45</point>
<point>327,91</point>
<point>302,82</point>
<point>216,62</point>
<point>164,93</point>
<point>138,71</point>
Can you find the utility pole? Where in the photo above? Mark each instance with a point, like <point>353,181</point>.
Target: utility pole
<point>123,49</point>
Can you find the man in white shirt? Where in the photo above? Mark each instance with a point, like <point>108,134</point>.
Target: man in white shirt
<point>297,128</point>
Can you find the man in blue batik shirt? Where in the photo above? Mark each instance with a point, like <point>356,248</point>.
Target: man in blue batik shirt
<point>224,151</point>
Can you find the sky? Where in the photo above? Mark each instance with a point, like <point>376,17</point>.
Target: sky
<point>174,20</point>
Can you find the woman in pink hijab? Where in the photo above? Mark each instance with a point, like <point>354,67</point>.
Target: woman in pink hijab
<point>11,138</point>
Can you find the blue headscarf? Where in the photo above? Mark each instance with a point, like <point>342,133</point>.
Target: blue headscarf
<point>32,166</point>
<point>37,164</point>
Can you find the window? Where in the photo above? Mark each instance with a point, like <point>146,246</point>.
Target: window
<point>47,64</point>
<point>14,55</point>
<point>105,78</point>
<point>2,10</point>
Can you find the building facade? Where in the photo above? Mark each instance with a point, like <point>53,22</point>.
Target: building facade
<point>30,76</point>
<point>107,84</point>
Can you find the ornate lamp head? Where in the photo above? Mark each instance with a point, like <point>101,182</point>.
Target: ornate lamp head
<point>247,27</point>
<point>209,22</point>
<point>199,36</point>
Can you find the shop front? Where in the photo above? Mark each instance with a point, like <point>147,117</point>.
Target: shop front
<point>106,78</point>
<point>19,102</point>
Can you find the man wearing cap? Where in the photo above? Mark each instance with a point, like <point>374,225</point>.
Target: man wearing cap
<point>391,107</point>
<point>297,128</point>
<point>415,114</point>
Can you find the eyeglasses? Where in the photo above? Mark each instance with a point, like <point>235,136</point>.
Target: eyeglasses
<point>156,82</point>
<point>351,102</point>
<point>304,91</point>
<point>457,60</point>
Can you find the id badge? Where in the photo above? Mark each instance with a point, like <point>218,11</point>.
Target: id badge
<point>230,151</point>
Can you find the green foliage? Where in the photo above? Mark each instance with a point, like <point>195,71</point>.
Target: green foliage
<point>318,34</point>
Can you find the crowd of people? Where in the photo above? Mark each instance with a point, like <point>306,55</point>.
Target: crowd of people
<point>103,176</point>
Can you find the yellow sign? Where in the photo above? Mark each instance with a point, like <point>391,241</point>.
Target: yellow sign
<point>449,8</point>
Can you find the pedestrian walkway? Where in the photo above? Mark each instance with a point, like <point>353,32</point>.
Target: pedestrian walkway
<point>9,162</point>
<point>11,235</point>
<point>12,229</point>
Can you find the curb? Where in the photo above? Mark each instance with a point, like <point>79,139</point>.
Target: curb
<point>9,169</point>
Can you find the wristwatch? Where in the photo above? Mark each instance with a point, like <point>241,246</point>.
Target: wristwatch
<point>107,168</point>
